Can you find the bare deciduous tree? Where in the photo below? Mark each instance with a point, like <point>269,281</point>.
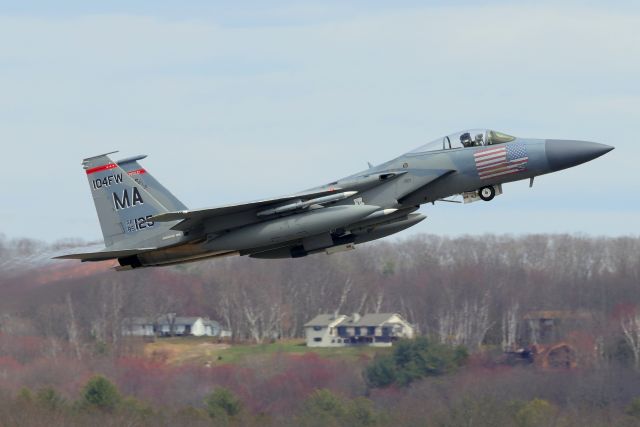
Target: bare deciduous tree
<point>630,324</point>
<point>510,322</point>
<point>467,325</point>
<point>72,328</point>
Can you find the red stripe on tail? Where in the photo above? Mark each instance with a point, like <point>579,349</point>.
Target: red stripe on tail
<point>137,172</point>
<point>101,168</point>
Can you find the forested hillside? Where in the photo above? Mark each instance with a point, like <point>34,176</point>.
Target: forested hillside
<point>440,284</point>
<point>61,323</point>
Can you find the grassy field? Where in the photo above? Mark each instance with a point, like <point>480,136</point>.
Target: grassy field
<point>201,350</point>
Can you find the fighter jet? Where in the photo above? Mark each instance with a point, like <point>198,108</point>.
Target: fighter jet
<point>144,225</point>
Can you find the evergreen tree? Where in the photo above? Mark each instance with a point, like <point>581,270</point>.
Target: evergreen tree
<point>101,394</point>
<point>222,404</point>
<point>412,360</point>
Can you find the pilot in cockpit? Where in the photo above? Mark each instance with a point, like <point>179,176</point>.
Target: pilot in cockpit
<point>465,139</point>
<point>478,142</point>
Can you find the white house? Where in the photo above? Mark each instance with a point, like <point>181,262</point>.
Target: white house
<point>138,327</point>
<point>377,329</point>
<point>321,330</point>
<point>170,325</point>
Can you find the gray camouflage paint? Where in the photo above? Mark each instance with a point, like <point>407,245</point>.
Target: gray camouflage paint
<point>143,224</point>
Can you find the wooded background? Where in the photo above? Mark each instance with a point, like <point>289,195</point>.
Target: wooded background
<point>61,321</point>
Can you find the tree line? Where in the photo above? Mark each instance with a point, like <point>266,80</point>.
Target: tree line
<point>469,290</point>
<point>61,325</point>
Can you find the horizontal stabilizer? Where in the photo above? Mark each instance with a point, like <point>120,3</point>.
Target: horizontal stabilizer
<point>104,255</point>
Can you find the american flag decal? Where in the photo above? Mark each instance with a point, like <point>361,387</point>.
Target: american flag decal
<point>501,160</point>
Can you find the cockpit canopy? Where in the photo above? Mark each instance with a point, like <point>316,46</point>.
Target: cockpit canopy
<point>466,138</point>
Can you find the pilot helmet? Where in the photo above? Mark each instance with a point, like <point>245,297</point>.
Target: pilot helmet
<point>465,137</point>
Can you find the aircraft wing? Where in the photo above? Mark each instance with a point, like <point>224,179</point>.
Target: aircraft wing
<point>104,255</point>
<point>189,218</point>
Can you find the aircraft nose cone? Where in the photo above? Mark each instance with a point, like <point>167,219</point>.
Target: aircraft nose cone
<point>562,154</point>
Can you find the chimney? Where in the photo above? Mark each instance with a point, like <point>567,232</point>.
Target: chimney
<point>355,317</point>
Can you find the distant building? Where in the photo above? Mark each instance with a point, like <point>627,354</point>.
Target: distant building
<point>554,339</point>
<point>138,327</point>
<point>378,329</point>
<point>172,325</point>
<point>550,326</point>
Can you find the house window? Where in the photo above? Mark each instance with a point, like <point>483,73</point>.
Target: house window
<point>342,330</point>
<point>371,330</point>
<point>317,328</point>
<point>357,331</point>
<point>317,339</point>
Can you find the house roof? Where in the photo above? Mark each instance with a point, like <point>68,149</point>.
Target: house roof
<point>325,320</point>
<point>178,320</point>
<point>166,320</point>
<point>372,319</point>
<point>211,322</point>
<point>137,321</point>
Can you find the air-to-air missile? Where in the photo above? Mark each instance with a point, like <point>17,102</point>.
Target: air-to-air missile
<point>300,205</point>
<point>143,224</point>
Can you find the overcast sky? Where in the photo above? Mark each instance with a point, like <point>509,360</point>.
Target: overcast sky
<point>235,101</point>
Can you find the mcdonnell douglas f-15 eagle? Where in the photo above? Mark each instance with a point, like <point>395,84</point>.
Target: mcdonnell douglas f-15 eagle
<point>143,224</point>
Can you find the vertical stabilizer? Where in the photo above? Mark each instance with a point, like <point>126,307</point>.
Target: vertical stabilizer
<point>148,182</point>
<point>124,206</point>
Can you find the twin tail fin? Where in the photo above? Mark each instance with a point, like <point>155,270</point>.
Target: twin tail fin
<point>126,197</point>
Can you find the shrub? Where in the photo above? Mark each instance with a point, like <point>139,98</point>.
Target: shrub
<point>190,415</point>
<point>381,372</point>
<point>634,408</point>
<point>50,399</point>
<point>136,409</point>
<point>324,401</point>
<point>24,395</point>
<point>535,413</point>
<point>222,404</point>
<point>360,413</point>
<point>414,359</point>
<point>324,408</point>
<point>101,394</point>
